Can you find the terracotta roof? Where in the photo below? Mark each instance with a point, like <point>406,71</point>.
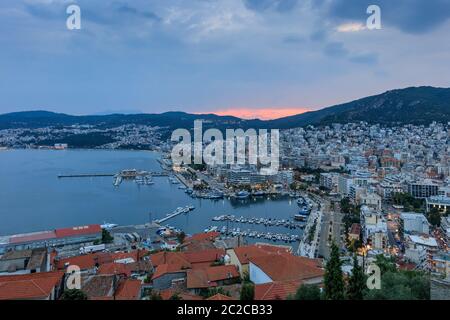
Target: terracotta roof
<point>168,293</point>
<point>98,286</point>
<point>222,273</point>
<point>29,286</point>
<point>165,257</point>
<point>116,268</point>
<point>129,290</point>
<point>89,261</point>
<point>30,237</point>
<point>209,256</point>
<point>205,278</point>
<point>246,252</point>
<point>78,231</point>
<point>282,267</point>
<point>276,290</point>
<point>210,236</point>
<point>200,242</point>
<point>197,279</point>
<point>163,269</point>
<point>220,297</point>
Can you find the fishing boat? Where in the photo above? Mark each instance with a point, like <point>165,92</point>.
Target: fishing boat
<point>242,195</point>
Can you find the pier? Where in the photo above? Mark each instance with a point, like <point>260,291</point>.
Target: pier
<point>176,213</point>
<point>121,174</point>
<point>87,175</point>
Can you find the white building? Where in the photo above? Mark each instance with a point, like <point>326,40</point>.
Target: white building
<point>415,222</point>
<point>440,202</point>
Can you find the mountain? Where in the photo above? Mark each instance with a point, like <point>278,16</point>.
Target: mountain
<point>414,105</point>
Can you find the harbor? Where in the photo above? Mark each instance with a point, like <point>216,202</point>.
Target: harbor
<point>89,200</point>
<point>267,222</point>
<point>271,236</point>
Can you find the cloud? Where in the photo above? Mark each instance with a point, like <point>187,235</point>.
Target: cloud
<point>338,50</point>
<point>410,16</point>
<point>261,113</point>
<point>126,9</point>
<point>351,27</point>
<point>266,5</point>
<point>335,49</point>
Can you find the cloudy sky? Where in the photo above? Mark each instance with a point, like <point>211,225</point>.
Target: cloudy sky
<point>252,58</point>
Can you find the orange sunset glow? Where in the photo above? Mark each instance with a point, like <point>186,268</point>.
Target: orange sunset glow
<point>261,113</point>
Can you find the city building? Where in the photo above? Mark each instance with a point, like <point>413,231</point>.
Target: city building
<point>441,203</point>
<point>414,222</point>
<point>423,189</point>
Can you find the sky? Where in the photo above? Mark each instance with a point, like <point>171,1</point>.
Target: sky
<point>249,58</point>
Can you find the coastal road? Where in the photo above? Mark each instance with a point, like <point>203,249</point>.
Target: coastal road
<point>331,228</point>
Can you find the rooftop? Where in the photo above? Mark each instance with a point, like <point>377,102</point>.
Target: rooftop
<point>29,286</point>
<point>283,267</point>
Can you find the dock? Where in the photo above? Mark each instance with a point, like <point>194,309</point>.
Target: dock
<point>174,214</point>
<point>87,175</point>
<point>99,175</point>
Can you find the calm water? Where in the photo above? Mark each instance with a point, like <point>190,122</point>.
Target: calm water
<point>32,198</point>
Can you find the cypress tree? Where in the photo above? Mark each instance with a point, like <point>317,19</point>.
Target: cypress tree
<point>357,282</point>
<point>334,280</point>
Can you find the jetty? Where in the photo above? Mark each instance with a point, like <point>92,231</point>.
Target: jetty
<point>176,213</point>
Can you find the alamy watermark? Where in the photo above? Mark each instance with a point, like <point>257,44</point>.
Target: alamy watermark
<point>239,148</point>
<point>73,280</point>
<point>73,22</point>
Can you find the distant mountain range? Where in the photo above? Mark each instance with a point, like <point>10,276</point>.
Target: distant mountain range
<point>414,105</point>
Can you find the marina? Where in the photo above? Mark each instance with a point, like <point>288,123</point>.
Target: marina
<point>268,222</point>
<point>237,232</point>
<point>89,200</point>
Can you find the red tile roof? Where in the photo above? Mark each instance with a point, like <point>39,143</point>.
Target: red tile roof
<point>198,279</point>
<point>276,290</point>
<point>222,273</point>
<point>78,231</point>
<point>205,256</point>
<point>282,267</point>
<point>220,297</point>
<point>29,286</point>
<point>129,290</point>
<point>116,268</point>
<point>205,278</point>
<point>210,236</point>
<point>91,260</point>
<point>37,236</point>
<point>165,257</point>
<point>163,269</point>
<point>168,293</point>
<point>246,252</point>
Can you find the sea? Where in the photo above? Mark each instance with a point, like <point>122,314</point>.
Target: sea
<point>33,198</point>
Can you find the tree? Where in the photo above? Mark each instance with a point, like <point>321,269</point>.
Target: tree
<point>308,292</point>
<point>106,236</point>
<point>74,294</point>
<point>357,282</point>
<point>402,285</point>
<point>155,296</point>
<point>333,279</point>
<point>181,236</point>
<point>248,292</point>
<point>213,291</point>
<point>175,296</point>
<point>434,217</point>
<point>385,264</point>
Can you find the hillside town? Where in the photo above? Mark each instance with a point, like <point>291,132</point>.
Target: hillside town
<point>367,195</point>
